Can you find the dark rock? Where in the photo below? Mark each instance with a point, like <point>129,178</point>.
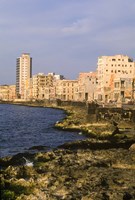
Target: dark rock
<point>105,196</point>
<point>104,182</point>
<point>115,123</point>
<point>127,196</point>
<point>39,148</point>
<point>99,144</point>
<point>116,131</point>
<point>16,160</point>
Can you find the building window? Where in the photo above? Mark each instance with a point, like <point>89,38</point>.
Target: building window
<point>122,84</point>
<point>116,85</point>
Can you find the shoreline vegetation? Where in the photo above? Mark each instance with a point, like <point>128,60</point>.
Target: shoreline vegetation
<point>101,167</point>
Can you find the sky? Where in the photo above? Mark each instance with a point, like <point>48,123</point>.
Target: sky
<point>64,36</point>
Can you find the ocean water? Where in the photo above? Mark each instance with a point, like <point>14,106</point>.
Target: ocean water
<point>22,128</point>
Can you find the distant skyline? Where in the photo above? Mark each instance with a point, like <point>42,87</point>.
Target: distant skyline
<point>64,36</point>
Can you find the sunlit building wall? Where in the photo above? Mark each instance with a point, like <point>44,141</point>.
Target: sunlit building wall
<point>38,86</point>
<point>87,86</point>
<point>65,89</point>
<point>7,92</point>
<point>23,75</point>
<point>111,68</point>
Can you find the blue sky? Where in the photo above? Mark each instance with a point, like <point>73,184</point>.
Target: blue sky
<point>64,36</point>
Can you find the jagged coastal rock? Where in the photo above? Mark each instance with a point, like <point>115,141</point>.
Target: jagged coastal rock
<point>101,167</point>
<point>68,174</point>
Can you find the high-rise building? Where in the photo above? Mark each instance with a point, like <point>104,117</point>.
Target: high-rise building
<point>23,75</point>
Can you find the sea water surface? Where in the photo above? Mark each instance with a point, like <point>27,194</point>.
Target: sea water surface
<point>23,128</point>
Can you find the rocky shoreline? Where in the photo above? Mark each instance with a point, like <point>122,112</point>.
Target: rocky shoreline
<point>101,167</point>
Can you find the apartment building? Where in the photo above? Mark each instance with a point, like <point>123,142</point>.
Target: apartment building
<point>66,89</point>
<point>43,86</point>
<point>49,78</point>
<point>123,89</point>
<point>7,92</point>
<point>38,86</point>
<point>87,86</point>
<point>23,75</point>
<point>111,70</point>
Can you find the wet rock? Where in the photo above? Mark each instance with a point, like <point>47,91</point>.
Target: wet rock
<point>16,160</point>
<point>94,144</point>
<point>39,148</point>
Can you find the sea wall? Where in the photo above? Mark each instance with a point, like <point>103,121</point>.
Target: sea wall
<point>71,103</point>
<point>94,111</point>
<point>115,113</point>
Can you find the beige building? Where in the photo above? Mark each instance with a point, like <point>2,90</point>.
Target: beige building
<point>7,92</point>
<point>49,90</point>
<point>43,86</point>
<point>38,86</point>
<point>110,70</point>
<point>66,89</point>
<point>51,81</point>
<point>23,75</point>
<point>87,86</point>
<point>123,89</point>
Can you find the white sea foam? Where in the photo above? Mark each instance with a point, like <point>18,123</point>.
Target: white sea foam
<point>28,163</point>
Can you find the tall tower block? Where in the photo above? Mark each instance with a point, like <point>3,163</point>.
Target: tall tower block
<point>23,75</point>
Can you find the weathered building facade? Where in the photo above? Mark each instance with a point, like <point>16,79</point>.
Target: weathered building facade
<point>87,86</point>
<point>66,90</point>
<point>7,92</point>
<point>115,77</point>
